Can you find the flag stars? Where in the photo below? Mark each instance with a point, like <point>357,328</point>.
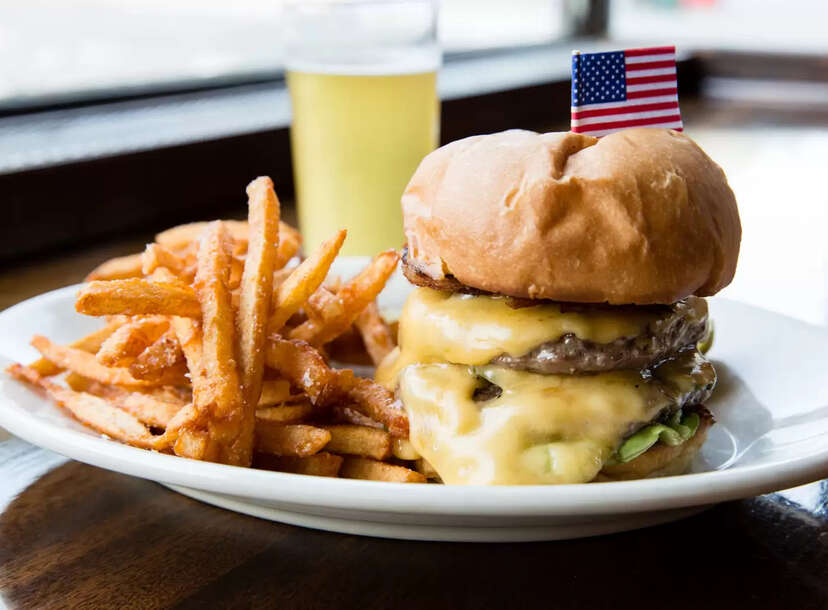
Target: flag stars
<point>598,78</point>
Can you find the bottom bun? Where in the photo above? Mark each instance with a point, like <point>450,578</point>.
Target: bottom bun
<point>662,460</point>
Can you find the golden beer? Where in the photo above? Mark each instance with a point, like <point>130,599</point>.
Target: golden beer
<point>356,139</point>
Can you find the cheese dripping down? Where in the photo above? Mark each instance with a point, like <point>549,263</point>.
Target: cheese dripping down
<point>541,429</point>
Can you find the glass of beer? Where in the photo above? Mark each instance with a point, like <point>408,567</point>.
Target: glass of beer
<point>362,76</point>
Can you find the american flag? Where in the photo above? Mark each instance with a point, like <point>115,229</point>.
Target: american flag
<point>621,89</point>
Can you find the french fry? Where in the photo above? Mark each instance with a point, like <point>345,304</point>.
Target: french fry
<point>354,296</point>
<point>183,236</point>
<point>84,363</point>
<point>285,414</point>
<point>173,395</point>
<point>375,333</point>
<point>158,358</point>
<point>122,346</point>
<point>91,411</point>
<point>274,392</point>
<point>144,407</point>
<point>162,275</point>
<point>222,395</point>
<point>359,440</point>
<point>290,439</point>
<point>119,268</point>
<point>347,414</point>
<point>178,395</point>
<point>137,297</point>
<point>402,449</point>
<point>323,304</point>
<point>373,400</point>
<point>366,468</point>
<point>156,255</point>
<point>185,432</point>
<point>196,444</point>
<point>193,321</point>
<point>305,368</point>
<point>186,421</point>
<point>90,343</point>
<point>289,242</point>
<point>334,283</point>
<point>218,396</point>
<point>304,280</point>
<point>188,333</point>
<point>322,464</point>
<point>257,286</point>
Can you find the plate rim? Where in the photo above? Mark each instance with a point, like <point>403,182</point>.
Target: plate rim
<point>687,490</point>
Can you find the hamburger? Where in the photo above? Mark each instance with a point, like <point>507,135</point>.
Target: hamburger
<point>553,332</point>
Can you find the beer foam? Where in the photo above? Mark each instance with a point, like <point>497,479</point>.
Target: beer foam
<point>365,62</point>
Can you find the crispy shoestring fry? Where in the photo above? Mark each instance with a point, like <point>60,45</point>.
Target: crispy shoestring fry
<point>218,400</point>
<point>303,281</point>
<point>122,346</point>
<point>324,304</point>
<point>347,414</point>
<point>90,410</point>
<point>257,287</point>
<point>379,404</point>
<point>173,395</point>
<point>146,408</point>
<point>285,413</point>
<point>137,297</point>
<point>366,468</point>
<point>359,440</point>
<point>156,255</point>
<point>274,391</point>
<point>306,369</point>
<point>156,359</point>
<point>375,333</point>
<point>221,394</point>
<point>183,236</point>
<point>84,363</point>
<point>354,296</point>
<point>322,464</point>
<point>290,439</point>
<point>90,343</point>
<point>215,349</point>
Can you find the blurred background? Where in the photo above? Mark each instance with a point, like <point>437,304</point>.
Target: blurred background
<point>120,117</point>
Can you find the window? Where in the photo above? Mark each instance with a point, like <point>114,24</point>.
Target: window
<point>110,48</point>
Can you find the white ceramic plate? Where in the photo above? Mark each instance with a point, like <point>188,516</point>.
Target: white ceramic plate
<point>771,405</point>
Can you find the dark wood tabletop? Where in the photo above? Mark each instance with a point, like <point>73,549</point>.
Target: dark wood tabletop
<point>78,536</point>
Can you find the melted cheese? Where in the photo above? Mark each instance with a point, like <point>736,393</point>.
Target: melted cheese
<point>463,329</point>
<point>543,429</point>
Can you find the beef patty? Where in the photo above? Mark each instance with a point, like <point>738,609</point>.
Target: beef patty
<point>684,324</point>
<point>679,325</point>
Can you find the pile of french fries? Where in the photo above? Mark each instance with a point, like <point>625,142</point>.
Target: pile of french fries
<point>217,346</point>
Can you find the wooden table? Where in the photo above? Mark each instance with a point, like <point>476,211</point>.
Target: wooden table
<point>76,536</point>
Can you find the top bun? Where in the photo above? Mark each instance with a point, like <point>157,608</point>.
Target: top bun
<point>640,216</point>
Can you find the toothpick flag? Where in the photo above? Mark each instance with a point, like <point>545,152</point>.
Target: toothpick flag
<point>622,89</point>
